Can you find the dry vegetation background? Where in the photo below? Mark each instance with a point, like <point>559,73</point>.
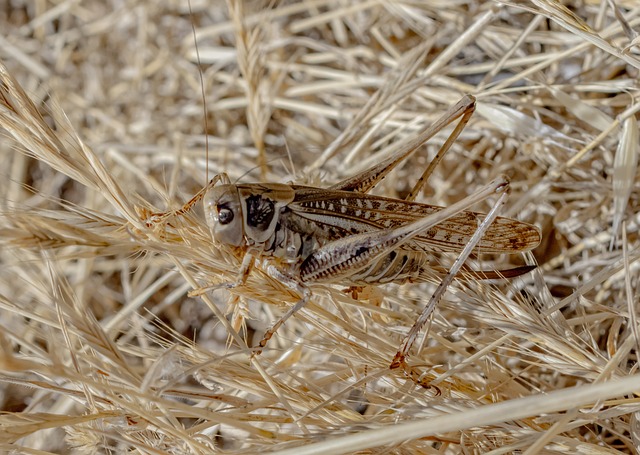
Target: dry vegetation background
<point>101,349</point>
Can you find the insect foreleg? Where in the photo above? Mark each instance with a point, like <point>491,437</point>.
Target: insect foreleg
<point>245,269</point>
<point>291,284</point>
<point>403,352</point>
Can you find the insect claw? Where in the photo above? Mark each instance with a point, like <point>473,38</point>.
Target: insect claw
<point>397,362</point>
<point>263,343</point>
<point>267,336</point>
<point>355,291</point>
<point>413,373</point>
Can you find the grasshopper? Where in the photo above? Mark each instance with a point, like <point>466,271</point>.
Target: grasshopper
<point>342,235</point>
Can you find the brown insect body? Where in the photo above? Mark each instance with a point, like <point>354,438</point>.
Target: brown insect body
<point>290,223</point>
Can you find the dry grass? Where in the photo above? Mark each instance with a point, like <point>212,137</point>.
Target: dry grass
<point>101,348</point>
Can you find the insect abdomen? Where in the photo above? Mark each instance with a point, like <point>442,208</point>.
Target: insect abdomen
<point>399,266</point>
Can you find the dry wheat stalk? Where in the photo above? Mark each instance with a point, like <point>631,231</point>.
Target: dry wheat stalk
<point>99,343</point>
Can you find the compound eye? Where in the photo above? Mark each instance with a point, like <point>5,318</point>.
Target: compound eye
<point>225,215</point>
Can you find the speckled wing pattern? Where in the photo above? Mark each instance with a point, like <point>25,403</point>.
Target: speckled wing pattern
<point>342,213</point>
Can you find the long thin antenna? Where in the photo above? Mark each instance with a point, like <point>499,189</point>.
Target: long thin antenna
<point>204,102</point>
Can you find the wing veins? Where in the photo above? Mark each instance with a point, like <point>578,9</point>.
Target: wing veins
<point>351,211</point>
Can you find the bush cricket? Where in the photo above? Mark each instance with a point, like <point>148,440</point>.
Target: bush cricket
<point>304,235</point>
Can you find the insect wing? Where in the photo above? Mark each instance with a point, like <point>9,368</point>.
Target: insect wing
<point>346,212</point>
